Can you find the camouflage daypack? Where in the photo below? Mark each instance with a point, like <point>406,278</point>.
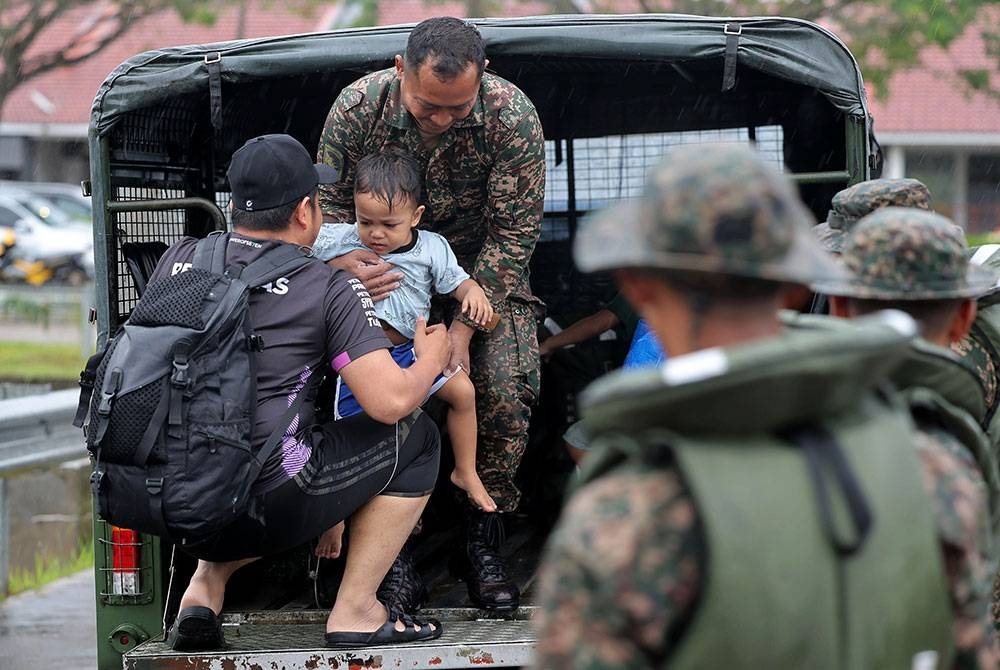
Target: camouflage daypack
<point>173,397</point>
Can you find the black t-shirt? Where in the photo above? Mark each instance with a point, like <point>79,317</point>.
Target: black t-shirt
<point>315,317</point>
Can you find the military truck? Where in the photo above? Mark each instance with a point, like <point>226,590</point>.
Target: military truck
<point>612,93</point>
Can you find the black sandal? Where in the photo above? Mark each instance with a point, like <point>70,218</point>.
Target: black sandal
<point>387,634</point>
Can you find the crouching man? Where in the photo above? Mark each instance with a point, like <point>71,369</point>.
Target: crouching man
<point>376,468</point>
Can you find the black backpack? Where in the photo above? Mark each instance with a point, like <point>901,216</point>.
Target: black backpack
<point>171,399</point>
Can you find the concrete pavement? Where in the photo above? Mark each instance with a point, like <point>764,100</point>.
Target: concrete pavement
<point>54,626</point>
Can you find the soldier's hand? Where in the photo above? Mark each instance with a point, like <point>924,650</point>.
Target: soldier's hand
<point>460,336</point>
<point>432,342</point>
<point>378,276</point>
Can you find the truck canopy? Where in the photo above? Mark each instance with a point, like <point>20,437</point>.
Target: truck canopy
<point>259,78</point>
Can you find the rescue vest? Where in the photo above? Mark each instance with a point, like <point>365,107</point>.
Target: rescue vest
<point>821,545</point>
<point>943,393</point>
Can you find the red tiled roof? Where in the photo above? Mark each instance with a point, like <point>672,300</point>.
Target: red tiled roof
<point>411,11</point>
<point>64,95</point>
<point>924,99</point>
<point>930,97</point>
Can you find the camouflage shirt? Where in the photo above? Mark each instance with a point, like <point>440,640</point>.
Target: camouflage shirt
<point>977,356</point>
<point>624,568</point>
<point>485,177</point>
<point>959,498</point>
<point>622,573</point>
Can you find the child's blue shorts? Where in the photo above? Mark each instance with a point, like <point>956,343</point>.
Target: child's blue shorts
<point>346,404</point>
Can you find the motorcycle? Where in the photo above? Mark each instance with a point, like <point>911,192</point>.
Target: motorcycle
<point>64,264</point>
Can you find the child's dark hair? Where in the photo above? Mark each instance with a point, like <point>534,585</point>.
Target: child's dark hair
<point>392,175</point>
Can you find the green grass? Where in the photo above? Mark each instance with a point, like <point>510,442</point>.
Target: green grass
<point>50,568</point>
<point>983,238</point>
<point>40,362</point>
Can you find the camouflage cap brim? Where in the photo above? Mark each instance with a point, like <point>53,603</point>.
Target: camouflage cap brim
<point>905,253</point>
<point>978,282</point>
<point>831,239</point>
<point>614,239</point>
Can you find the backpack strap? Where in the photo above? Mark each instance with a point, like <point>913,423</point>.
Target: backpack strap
<point>273,264</point>
<point>210,253</point>
<point>88,377</point>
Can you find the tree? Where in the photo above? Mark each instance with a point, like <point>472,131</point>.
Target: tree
<point>886,36</point>
<point>25,53</point>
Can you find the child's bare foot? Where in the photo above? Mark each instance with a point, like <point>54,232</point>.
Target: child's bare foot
<point>473,486</point>
<point>330,542</point>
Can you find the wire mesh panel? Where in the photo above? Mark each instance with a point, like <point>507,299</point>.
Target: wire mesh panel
<point>142,226</point>
<point>163,135</point>
<point>597,171</point>
<point>590,173</point>
<point>222,201</point>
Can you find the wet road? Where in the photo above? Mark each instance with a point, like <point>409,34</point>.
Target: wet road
<point>51,627</point>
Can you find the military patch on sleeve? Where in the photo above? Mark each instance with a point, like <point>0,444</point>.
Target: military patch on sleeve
<point>509,117</point>
<point>350,98</point>
<point>334,157</point>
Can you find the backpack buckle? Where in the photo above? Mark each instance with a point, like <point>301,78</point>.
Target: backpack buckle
<point>104,408</point>
<point>87,379</point>
<point>179,377</point>
<point>154,485</point>
<point>182,349</point>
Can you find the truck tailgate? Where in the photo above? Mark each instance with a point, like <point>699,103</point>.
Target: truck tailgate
<point>290,641</point>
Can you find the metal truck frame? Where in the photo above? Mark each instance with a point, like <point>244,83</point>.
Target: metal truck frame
<point>612,92</point>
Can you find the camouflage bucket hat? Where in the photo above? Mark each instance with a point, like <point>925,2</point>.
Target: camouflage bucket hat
<point>718,209</point>
<point>900,253</point>
<point>854,202</point>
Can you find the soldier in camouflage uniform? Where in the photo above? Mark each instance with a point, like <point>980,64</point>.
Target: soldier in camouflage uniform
<point>697,538</point>
<point>481,142</point>
<point>916,261</point>
<point>980,350</point>
<point>854,202</point>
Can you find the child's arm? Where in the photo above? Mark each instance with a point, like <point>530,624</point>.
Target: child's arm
<point>474,303</point>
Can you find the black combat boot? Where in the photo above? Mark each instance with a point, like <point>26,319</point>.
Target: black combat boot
<point>402,585</point>
<point>485,571</point>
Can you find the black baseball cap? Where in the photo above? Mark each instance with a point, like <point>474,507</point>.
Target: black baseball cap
<point>273,170</point>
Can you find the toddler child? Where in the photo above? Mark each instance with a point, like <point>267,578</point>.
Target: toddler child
<point>387,193</point>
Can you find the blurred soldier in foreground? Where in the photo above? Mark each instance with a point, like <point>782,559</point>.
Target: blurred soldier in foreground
<point>916,261</point>
<point>755,502</point>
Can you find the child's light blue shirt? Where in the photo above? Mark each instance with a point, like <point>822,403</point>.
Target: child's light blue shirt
<point>428,267</point>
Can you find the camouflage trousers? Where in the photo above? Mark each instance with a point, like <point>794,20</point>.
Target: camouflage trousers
<point>505,372</point>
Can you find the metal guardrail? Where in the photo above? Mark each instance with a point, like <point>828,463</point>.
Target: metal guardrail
<point>35,431</point>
